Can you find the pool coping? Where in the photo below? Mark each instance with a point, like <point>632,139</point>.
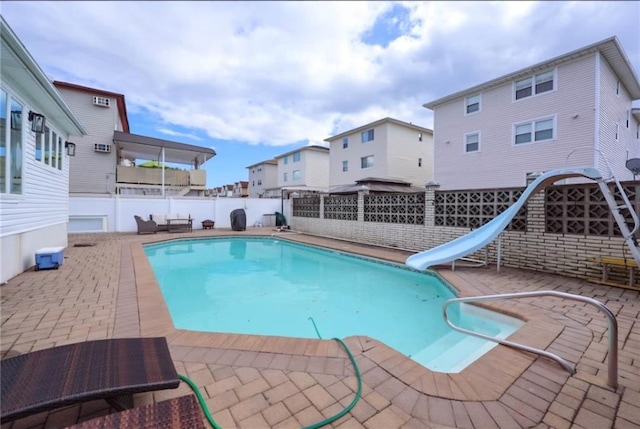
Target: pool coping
<point>486,379</point>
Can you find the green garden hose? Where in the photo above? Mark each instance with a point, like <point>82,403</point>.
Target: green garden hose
<point>324,422</point>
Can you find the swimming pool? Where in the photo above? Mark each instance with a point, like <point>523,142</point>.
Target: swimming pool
<point>269,286</point>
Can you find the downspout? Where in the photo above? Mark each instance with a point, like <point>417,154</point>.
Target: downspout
<point>596,111</point>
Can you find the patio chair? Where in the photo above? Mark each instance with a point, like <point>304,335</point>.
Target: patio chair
<point>111,369</point>
<point>146,226</point>
<point>177,413</point>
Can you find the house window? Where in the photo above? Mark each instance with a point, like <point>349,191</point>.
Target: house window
<point>345,165</point>
<point>259,182</point>
<point>472,104</point>
<point>286,160</point>
<point>537,84</point>
<point>296,157</point>
<point>286,177</point>
<point>11,144</point>
<point>366,136</point>
<point>628,118</point>
<point>253,183</point>
<point>345,142</point>
<point>259,169</point>
<point>39,143</point>
<point>618,88</point>
<point>472,142</point>
<point>366,161</point>
<point>535,131</point>
<point>419,162</point>
<point>617,132</point>
<point>296,175</point>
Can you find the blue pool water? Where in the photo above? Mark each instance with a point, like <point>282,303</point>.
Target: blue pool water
<point>267,286</point>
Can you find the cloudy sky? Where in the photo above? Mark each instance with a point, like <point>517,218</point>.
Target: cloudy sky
<point>257,79</point>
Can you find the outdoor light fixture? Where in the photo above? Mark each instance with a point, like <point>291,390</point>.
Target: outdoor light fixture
<point>71,148</point>
<point>37,122</point>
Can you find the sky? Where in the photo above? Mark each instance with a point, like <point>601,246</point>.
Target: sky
<point>253,80</point>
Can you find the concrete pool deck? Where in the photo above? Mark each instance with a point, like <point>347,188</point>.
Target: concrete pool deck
<point>106,289</point>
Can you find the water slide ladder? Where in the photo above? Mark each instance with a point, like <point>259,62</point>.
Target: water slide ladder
<point>612,324</point>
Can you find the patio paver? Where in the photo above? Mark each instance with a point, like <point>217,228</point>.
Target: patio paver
<point>107,289</point>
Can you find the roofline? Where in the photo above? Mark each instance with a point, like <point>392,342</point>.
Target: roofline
<point>314,148</point>
<point>15,44</point>
<point>268,162</point>
<point>632,84</point>
<point>122,105</point>
<point>156,142</point>
<point>376,123</point>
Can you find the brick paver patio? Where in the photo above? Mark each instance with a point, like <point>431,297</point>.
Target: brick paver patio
<point>106,289</point>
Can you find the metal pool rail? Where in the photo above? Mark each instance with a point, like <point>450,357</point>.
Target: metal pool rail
<point>611,318</point>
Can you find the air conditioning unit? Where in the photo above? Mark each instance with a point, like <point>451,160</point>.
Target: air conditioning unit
<point>99,147</point>
<point>101,101</point>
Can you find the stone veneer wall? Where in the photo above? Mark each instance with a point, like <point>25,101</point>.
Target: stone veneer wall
<point>532,249</point>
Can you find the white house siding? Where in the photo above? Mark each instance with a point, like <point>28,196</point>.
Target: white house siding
<point>37,217</point>
<point>613,110</point>
<point>93,172</point>
<point>499,163</point>
<point>404,149</point>
<point>316,169</point>
<point>356,150</point>
<point>266,175</point>
<point>311,164</point>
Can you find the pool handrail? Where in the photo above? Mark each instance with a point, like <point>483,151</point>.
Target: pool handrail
<point>611,319</point>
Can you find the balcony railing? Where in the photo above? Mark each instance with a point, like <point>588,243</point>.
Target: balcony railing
<point>149,178</point>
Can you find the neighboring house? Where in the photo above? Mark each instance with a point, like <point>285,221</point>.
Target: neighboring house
<point>493,134</point>
<point>105,161</point>
<point>387,149</point>
<point>304,169</point>
<point>240,189</point>
<point>34,165</point>
<point>262,176</point>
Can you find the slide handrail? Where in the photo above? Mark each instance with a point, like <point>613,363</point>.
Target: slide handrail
<point>623,194</point>
<point>611,320</point>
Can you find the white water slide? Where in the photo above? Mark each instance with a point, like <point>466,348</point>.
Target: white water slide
<point>479,238</point>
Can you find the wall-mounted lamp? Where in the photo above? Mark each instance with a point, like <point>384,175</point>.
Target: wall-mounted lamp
<point>37,122</point>
<point>71,148</point>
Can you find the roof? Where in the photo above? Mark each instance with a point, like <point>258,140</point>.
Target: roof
<point>122,106</point>
<point>610,49</point>
<point>22,71</point>
<point>315,148</point>
<point>636,113</point>
<point>375,124</point>
<point>135,146</point>
<point>269,162</point>
<point>377,185</point>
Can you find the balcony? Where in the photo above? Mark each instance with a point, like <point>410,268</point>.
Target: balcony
<point>148,181</point>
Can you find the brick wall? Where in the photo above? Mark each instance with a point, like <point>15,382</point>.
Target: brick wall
<point>564,254</point>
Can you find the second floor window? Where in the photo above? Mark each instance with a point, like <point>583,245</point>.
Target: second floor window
<point>259,182</point>
<point>286,159</point>
<point>534,85</point>
<point>296,175</point>
<point>345,165</point>
<point>345,142</point>
<point>472,104</point>
<point>366,161</point>
<point>296,157</point>
<point>286,177</point>
<point>534,131</point>
<point>366,136</point>
<point>472,142</point>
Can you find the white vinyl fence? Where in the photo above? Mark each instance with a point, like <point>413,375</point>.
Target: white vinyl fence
<point>116,213</point>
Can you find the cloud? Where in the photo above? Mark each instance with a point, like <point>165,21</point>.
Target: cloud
<point>178,134</point>
<point>277,73</point>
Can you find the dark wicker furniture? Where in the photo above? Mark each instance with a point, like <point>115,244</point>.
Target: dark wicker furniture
<point>112,369</point>
<point>183,412</point>
<point>145,226</point>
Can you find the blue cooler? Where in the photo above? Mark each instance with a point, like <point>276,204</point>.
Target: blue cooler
<point>49,257</point>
